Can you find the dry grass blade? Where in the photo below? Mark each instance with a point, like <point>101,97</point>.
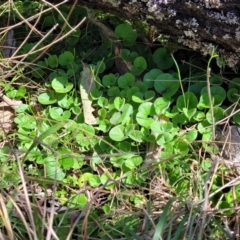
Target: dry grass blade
<point>5,218</point>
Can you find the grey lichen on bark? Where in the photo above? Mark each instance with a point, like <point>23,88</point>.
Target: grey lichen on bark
<point>197,24</point>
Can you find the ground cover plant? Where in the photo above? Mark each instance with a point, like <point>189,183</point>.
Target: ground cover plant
<point>110,135</point>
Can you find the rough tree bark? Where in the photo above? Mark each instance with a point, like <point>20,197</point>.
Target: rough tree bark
<point>197,24</point>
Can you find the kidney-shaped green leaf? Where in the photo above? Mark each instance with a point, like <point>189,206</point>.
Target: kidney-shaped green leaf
<point>61,85</point>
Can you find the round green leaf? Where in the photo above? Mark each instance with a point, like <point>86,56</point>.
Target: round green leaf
<point>199,116</point>
<point>143,87</point>
<point>138,97</point>
<point>233,95</point>
<point>52,61</point>
<point>218,93</point>
<point>164,138</point>
<point>113,92</point>
<point>216,80</point>
<point>160,127</point>
<point>189,113</point>
<point>78,201</point>
<point>142,117</point>
<point>94,181</point>
<point>65,58</point>
<point>47,98</point>
<point>137,136</point>
<point>119,103</point>
<point>117,133</point>
<point>204,127</point>
<point>128,56</point>
<point>73,38</point>
<point>109,80</point>
<point>182,147</point>
<point>102,113</point>
<point>139,66</point>
<point>218,115</point>
<point>126,33</point>
<point>95,93</point>
<point>126,80</point>
<point>235,83</point>
<point>151,76</point>
<point>149,95</point>
<point>133,162</point>
<point>104,125</point>
<point>188,100</point>
<point>124,146</point>
<point>236,118</point>
<point>166,85</point>
<point>61,85</point>
<point>204,101</point>
<point>161,104</point>
<point>163,58</point>
<point>53,170</point>
<point>25,121</point>
<point>58,114</point>
<point>102,102</point>
<point>191,135</point>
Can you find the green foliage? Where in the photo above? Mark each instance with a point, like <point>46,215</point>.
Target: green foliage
<point>149,105</point>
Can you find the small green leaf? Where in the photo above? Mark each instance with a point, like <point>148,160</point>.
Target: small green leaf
<point>65,58</point>
<point>53,170</point>
<point>113,92</point>
<point>139,66</point>
<point>182,147</point>
<point>235,83</point>
<point>233,95</point>
<point>95,93</point>
<point>151,76</point>
<point>119,103</point>
<point>52,61</point>
<point>218,93</point>
<point>164,138</point>
<point>25,121</point>
<point>124,146</point>
<point>189,113</point>
<point>78,201</point>
<point>199,116</point>
<point>47,98</point>
<point>218,115</point>
<point>138,97</point>
<point>61,85</point>
<point>163,58</point>
<point>204,101</point>
<point>137,136</point>
<point>94,181</point>
<point>236,118</point>
<point>216,80</point>
<point>160,127</point>
<point>191,135</point>
<point>104,125</point>
<point>144,111</point>
<point>102,102</point>
<point>125,32</point>
<point>133,161</point>
<point>161,104</point>
<point>58,114</point>
<point>166,84</point>
<point>109,80</point>
<point>128,56</point>
<point>204,127</point>
<point>117,133</point>
<point>126,80</point>
<point>188,100</point>
<point>102,113</point>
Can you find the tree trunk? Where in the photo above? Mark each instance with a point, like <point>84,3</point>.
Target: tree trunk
<point>197,24</point>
